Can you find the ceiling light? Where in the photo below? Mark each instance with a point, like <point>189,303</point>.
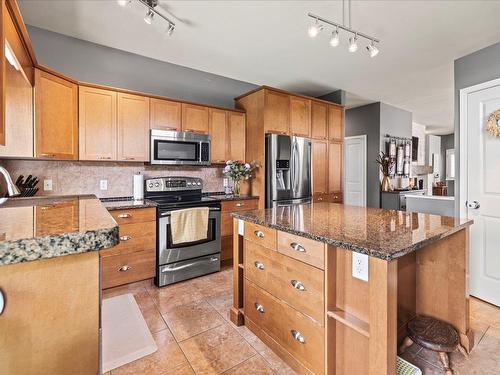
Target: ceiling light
<point>123,3</point>
<point>353,43</point>
<point>334,40</point>
<point>372,50</point>
<point>314,29</point>
<point>148,18</point>
<point>9,55</point>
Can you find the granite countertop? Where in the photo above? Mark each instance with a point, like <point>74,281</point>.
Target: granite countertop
<point>384,234</point>
<point>49,227</point>
<point>126,203</point>
<point>228,197</point>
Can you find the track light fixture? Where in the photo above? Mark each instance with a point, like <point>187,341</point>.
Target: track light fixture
<point>150,5</point>
<point>319,24</point>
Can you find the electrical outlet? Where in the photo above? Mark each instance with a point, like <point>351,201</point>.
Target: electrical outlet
<point>103,184</point>
<point>47,185</point>
<point>360,266</point>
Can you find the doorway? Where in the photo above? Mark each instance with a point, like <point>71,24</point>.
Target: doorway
<point>355,170</point>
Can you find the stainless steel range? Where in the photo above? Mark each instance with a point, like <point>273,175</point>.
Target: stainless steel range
<point>177,262</point>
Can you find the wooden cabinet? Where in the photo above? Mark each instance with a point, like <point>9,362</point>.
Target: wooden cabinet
<point>218,133</point>
<point>319,120</point>
<point>320,166</point>
<point>335,166</point>
<point>165,114</point>
<point>56,117</point>
<point>194,118</point>
<point>133,127</point>
<point>300,116</point>
<point>97,123</point>
<point>335,123</point>
<point>236,124</point>
<point>276,112</point>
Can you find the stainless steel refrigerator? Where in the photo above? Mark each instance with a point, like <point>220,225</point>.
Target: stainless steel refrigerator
<point>288,170</point>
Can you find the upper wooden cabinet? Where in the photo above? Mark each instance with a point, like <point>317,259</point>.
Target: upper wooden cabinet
<point>276,112</point>
<point>98,126</point>
<point>165,114</point>
<point>133,127</point>
<point>194,118</point>
<point>335,166</point>
<point>320,166</point>
<point>56,117</point>
<point>218,134</point>
<point>300,116</point>
<point>236,123</point>
<point>319,120</point>
<point>335,123</point>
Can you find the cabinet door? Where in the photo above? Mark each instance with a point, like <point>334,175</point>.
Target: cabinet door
<point>97,119</point>
<point>276,112</point>
<point>300,116</point>
<point>133,127</point>
<point>194,118</point>
<point>335,161</point>
<point>319,120</point>
<point>320,166</point>
<point>218,134</point>
<point>236,131</point>
<point>165,114</point>
<point>56,117</point>
<point>335,123</point>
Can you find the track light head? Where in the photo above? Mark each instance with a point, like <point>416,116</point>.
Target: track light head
<point>372,50</point>
<point>315,29</point>
<point>353,43</point>
<point>148,18</point>
<point>170,29</point>
<point>334,40</point>
<point>123,3</point>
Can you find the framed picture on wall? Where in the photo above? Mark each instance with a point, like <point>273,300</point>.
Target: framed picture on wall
<point>414,148</point>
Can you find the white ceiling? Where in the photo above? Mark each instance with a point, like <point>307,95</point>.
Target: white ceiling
<point>266,42</point>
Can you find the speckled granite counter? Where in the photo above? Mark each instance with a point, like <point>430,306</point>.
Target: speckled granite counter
<point>229,197</point>
<point>41,228</point>
<point>126,203</point>
<point>379,233</point>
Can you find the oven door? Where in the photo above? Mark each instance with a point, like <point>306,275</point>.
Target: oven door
<point>170,253</point>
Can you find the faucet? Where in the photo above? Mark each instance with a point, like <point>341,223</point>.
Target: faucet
<point>12,189</point>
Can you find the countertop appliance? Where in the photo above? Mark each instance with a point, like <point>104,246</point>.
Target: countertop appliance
<point>177,262</point>
<point>179,148</point>
<point>288,170</point>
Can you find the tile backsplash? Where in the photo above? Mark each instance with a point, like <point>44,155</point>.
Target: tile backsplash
<point>79,177</point>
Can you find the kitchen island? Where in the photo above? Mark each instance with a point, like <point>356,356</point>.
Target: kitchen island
<point>294,285</point>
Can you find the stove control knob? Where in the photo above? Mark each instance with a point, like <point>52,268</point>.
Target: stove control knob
<point>157,184</point>
<point>150,185</point>
<point>199,183</point>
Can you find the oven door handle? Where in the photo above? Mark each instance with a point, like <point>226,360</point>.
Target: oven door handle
<point>166,214</point>
<point>191,264</point>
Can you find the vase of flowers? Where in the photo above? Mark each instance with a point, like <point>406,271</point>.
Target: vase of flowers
<point>237,172</point>
<point>385,162</point>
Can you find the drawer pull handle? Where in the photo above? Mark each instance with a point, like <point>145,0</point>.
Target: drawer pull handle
<point>240,204</point>
<point>259,308</point>
<point>259,233</point>
<point>125,238</point>
<point>124,268</point>
<point>124,216</point>
<point>259,265</point>
<point>298,247</point>
<point>298,336</point>
<point>320,199</point>
<point>298,285</point>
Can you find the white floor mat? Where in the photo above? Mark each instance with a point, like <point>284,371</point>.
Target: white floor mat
<point>125,334</point>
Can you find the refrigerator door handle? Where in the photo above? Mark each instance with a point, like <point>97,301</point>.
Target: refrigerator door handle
<point>295,166</point>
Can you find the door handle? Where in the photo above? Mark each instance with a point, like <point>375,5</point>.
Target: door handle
<point>474,205</point>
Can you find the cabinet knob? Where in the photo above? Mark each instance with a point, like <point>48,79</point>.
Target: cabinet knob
<point>259,233</point>
<point>298,336</point>
<point>124,268</point>
<point>259,265</point>
<point>259,308</point>
<point>124,216</point>
<point>320,199</point>
<point>298,285</point>
<point>298,247</point>
<point>2,302</point>
<point>240,204</point>
<point>125,238</point>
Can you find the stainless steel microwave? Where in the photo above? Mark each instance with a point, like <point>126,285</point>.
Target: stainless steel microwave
<point>179,148</point>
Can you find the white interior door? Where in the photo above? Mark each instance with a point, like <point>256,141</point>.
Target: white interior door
<point>483,192</point>
<point>355,170</point>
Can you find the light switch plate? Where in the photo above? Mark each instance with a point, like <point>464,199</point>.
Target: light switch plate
<point>360,266</point>
<point>47,185</point>
<point>103,184</point>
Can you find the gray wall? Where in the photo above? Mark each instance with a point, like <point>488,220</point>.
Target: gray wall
<point>478,67</point>
<point>90,62</point>
<point>366,120</point>
<point>447,142</point>
<point>335,97</point>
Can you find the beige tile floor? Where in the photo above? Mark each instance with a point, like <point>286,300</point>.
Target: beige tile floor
<point>190,324</point>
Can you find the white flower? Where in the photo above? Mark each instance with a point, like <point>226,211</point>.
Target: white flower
<point>229,162</point>
<point>227,168</point>
<point>247,166</point>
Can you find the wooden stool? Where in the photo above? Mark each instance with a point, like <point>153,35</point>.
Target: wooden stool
<point>436,335</point>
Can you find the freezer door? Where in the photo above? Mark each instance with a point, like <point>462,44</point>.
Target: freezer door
<point>300,168</point>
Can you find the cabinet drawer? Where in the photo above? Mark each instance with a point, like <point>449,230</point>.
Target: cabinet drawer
<point>298,334</point>
<point>128,268</point>
<point>260,235</point>
<point>336,197</point>
<point>296,283</point>
<point>135,215</point>
<point>247,204</point>
<point>303,249</point>
<point>134,237</point>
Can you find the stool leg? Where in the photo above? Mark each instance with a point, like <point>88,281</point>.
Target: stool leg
<point>443,356</point>
<point>407,342</point>
<point>462,350</point>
